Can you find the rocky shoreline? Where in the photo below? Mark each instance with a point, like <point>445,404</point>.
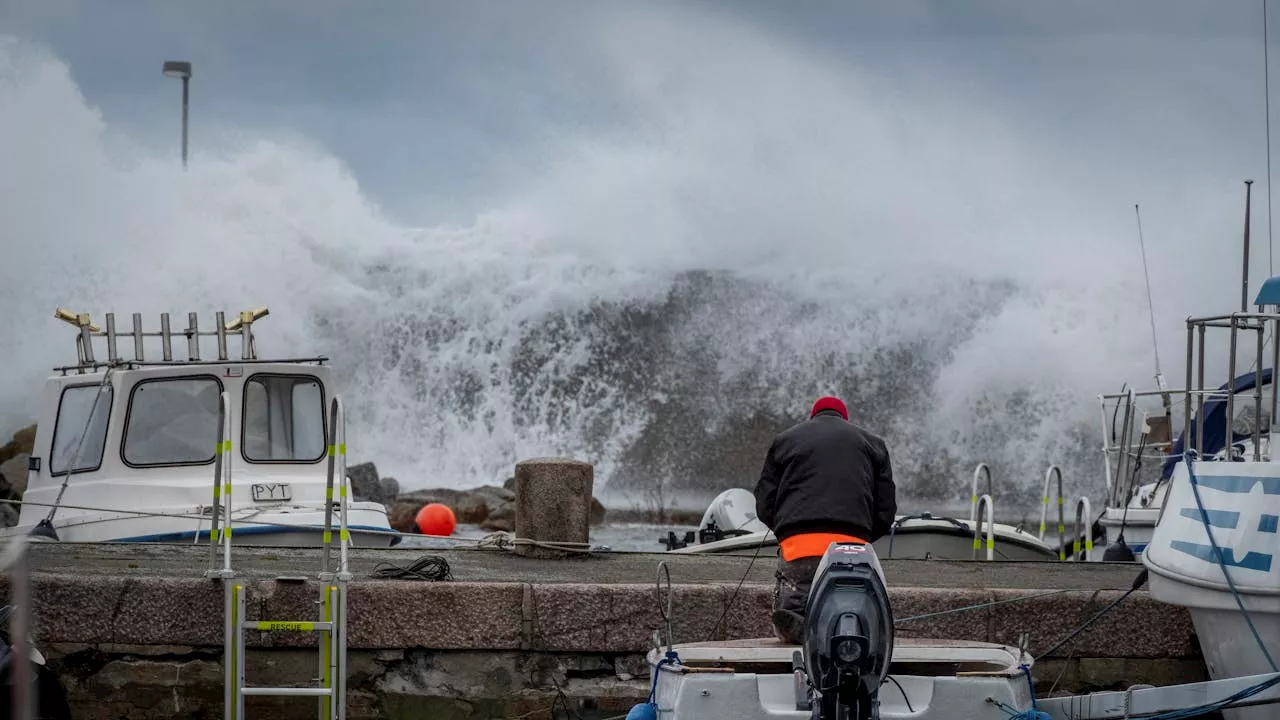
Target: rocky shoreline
<point>14,456</point>
<point>489,506</point>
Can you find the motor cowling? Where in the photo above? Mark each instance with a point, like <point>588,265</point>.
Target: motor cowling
<point>848,634</point>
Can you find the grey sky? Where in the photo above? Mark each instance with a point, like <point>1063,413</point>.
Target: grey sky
<point>873,152</point>
<point>439,106</point>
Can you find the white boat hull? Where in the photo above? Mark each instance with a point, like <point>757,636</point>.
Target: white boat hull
<point>1242,501</point>
<point>296,526</point>
<point>752,680</point>
<point>1228,645</point>
<point>1138,525</point>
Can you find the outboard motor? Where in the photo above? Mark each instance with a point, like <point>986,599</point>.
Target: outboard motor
<point>848,634</point>
<point>731,513</point>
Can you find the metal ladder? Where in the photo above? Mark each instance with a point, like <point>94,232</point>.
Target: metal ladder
<point>332,682</point>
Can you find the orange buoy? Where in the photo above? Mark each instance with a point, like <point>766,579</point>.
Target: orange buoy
<point>435,519</point>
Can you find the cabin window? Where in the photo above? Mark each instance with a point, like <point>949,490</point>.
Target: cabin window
<point>284,419</point>
<point>173,421</point>
<point>73,424</point>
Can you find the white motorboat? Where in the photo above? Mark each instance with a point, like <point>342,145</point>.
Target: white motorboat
<point>729,524</point>
<point>127,450</point>
<point>849,665</point>
<point>1214,546</point>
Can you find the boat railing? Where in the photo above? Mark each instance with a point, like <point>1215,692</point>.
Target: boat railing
<point>982,471</point>
<point>87,359</point>
<point>1054,473</point>
<point>1196,392</point>
<point>985,511</point>
<point>1083,529</point>
<point>1142,436</point>
<point>221,482</point>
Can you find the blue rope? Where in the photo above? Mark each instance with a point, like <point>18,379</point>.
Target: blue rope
<point>649,710</point>
<point>1032,713</point>
<point>671,658</point>
<point>1217,554</point>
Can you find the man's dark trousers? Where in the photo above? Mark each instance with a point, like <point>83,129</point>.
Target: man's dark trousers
<point>790,592</point>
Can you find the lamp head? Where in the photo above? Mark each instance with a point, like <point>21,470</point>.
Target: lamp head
<point>177,69</point>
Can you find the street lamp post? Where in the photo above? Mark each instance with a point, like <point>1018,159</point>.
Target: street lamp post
<point>181,69</point>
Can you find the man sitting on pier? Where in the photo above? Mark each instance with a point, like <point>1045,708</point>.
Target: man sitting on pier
<point>824,480</point>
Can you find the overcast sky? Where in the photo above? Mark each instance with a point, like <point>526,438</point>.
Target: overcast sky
<point>878,151</point>
<point>440,106</point>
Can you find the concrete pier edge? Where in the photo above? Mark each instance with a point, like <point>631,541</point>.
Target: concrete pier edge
<point>137,631</point>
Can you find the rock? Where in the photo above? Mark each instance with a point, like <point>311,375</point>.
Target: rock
<point>489,506</point>
<point>495,494</point>
<point>13,476</point>
<point>471,509</point>
<point>365,484</point>
<point>400,517</point>
<point>503,519</point>
<point>390,488</point>
<point>510,484</point>
<point>24,441</point>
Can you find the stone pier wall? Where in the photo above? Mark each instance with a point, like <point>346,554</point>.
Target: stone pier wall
<point>150,647</point>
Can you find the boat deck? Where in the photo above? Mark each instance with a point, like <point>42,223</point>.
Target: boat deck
<point>911,656</point>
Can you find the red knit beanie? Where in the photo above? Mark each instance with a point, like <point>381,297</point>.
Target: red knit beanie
<point>830,403</point>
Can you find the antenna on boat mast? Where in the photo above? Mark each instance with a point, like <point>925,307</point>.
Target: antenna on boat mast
<point>1151,310</point>
<point>1266,94</point>
<point>1244,281</point>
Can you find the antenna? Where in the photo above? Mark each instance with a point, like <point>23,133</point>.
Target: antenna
<point>1266,85</point>
<point>1244,281</point>
<point>1151,309</point>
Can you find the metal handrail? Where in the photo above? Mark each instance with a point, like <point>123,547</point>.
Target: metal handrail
<point>1195,386</point>
<point>985,503</point>
<point>1054,472</point>
<point>978,472</point>
<point>1085,511</point>
<point>223,406</point>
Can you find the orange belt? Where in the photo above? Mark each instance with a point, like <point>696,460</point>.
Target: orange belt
<point>812,544</point>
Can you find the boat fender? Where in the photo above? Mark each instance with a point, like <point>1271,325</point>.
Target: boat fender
<point>644,711</point>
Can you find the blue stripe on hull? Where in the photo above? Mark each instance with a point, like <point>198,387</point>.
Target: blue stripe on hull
<point>1251,560</point>
<point>260,530</point>
<point>1217,518</point>
<point>1238,483</point>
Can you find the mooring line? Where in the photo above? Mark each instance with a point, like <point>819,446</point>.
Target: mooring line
<point>980,606</point>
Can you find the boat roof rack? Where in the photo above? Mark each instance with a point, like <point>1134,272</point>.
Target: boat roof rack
<point>241,326</point>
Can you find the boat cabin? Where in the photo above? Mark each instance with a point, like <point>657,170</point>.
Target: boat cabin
<point>118,434</point>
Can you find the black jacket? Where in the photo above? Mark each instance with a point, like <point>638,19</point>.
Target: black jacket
<point>827,475</point>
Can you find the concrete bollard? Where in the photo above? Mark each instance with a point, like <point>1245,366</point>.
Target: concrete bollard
<point>553,503</point>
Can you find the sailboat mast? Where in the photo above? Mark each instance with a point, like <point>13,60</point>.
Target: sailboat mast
<point>1244,282</point>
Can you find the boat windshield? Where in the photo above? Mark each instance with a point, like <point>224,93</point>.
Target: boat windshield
<point>283,419</point>
<point>172,421</point>
<point>73,435</point>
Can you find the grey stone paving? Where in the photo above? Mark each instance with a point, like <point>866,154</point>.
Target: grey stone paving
<point>158,560</point>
